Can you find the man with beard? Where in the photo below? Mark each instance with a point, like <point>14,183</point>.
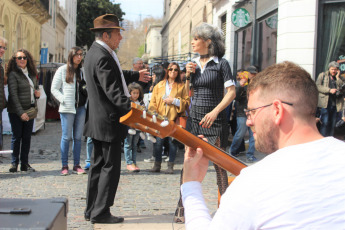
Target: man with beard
<point>330,98</point>
<point>299,185</point>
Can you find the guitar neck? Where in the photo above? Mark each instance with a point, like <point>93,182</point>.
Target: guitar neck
<point>138,118</point>
<point>214,154</point>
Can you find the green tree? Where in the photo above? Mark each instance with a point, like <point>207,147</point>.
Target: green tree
<point>141,50</point>
<point>87,11</point>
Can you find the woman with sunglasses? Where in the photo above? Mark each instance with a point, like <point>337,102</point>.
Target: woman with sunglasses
<point>213,89</point>
<point>22,94</point>
<point>68,87</point>
<point>169,99</point>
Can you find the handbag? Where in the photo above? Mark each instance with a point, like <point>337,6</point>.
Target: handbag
<point>32,112</point>
<point>81,92</point>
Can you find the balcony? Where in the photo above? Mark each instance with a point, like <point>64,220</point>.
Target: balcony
<point>36,8</point>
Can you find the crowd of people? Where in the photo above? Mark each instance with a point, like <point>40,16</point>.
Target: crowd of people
<point>278,107</point>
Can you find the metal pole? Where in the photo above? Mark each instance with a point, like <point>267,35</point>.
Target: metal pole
<point>254,53</point>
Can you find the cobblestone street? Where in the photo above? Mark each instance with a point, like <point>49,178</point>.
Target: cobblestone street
<point>141,198</point>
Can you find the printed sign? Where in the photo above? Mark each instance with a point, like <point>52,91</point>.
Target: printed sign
<point>44,53</point>
<point>240,17</point>
<point>272,21</point>
<point>341,62</point>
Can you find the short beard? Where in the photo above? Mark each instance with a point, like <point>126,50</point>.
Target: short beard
<point>266,140</point>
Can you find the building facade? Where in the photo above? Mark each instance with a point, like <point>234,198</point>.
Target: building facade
<point>308,32</point>
<point>60,45</point>
<point>153,42</point>
<point>70,7</point>
<point>20,24</point>
<point>179,17</point>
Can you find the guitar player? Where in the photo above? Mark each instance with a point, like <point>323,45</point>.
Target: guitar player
<point>299,185</point>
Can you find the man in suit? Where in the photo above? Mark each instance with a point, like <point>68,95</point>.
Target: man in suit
<point>108,101</point>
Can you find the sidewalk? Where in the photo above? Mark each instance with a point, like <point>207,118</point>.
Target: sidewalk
<point>146,200</point>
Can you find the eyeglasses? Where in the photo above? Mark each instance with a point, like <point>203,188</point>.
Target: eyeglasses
<point>251,112</point>
<point>79,54</point>
<point>3,47</point>
<point>171,69</point>
<point>21,58</point>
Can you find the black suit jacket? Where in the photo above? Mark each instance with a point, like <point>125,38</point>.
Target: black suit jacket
<point>107,101</point>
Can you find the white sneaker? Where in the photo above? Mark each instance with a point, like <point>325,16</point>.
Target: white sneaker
<point>166,160</point>
<point>152,159</point>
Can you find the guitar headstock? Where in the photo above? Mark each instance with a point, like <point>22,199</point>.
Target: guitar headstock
<point>139,118</point>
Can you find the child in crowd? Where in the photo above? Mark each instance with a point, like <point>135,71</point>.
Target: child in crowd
<point>130,145</point>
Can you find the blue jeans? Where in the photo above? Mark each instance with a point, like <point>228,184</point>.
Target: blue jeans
<point>21,138</point>
<point>158,149</point>
<point>328,120</point>
<point>130,148</point>
<point>239,135</point>
<point>89,149</point>
<point>72,127</point>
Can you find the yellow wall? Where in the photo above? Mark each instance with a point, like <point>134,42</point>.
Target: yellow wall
<point>20,28</point>
<point>180,16</point>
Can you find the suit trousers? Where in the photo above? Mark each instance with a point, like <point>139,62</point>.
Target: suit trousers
<point>104,176</point>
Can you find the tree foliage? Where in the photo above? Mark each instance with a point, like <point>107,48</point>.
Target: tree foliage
<point>133,42</point>
<point>87,11</point>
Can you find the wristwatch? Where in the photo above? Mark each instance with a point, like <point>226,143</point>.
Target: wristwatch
<point>188,78</point>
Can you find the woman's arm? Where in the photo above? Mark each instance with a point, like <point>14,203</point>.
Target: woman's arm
<point>13,93</point>
<point>210,117</point>
<point>153,101</point>
<point>57,85</point>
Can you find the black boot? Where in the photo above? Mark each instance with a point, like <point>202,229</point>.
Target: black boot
<point>26,167</point>
<point>14,168</point>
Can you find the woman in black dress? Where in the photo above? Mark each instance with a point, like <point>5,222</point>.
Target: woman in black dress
<point>213,89</point>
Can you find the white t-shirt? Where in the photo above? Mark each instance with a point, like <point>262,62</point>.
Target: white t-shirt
<point>297,187</point>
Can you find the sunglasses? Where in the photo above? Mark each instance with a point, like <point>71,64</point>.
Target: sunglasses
<point>3,47</point>
<point>171,69</point>
<point>21,58</point>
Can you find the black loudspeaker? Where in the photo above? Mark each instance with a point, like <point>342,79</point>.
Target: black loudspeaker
<point>34,213</point>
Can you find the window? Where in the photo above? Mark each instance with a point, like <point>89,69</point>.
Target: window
<point>268,41</point>
<point>244,46</point>
<point>331,31</point>
<point>223,25</point>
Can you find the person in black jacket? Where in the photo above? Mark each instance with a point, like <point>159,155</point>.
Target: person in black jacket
<point>3,48</point>
<point>241,105</point>
<point>22,93</point>
<point>108,101</point>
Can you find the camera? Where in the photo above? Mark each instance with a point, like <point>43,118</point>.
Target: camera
<point>151,71</point>
<point>340,91</point>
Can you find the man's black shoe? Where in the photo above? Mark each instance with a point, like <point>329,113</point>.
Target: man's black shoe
<point>14,168</point>
<point>26,167</point>
<point>108,220</point>
<point>87,216</point>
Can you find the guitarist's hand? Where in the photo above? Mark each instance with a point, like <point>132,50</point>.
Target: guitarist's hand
<point>195,164</point>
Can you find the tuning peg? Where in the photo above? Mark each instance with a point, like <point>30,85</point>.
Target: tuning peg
<point>151,138</point>
<point>142,135</point>
<point>132,131</point>
<point>154,118</point>
<point>144,114</point>
<point>165,122</point>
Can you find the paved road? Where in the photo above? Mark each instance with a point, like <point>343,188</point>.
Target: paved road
<point>146,200</point>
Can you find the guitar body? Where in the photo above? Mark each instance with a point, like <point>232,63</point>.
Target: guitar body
<point>137,119</point>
